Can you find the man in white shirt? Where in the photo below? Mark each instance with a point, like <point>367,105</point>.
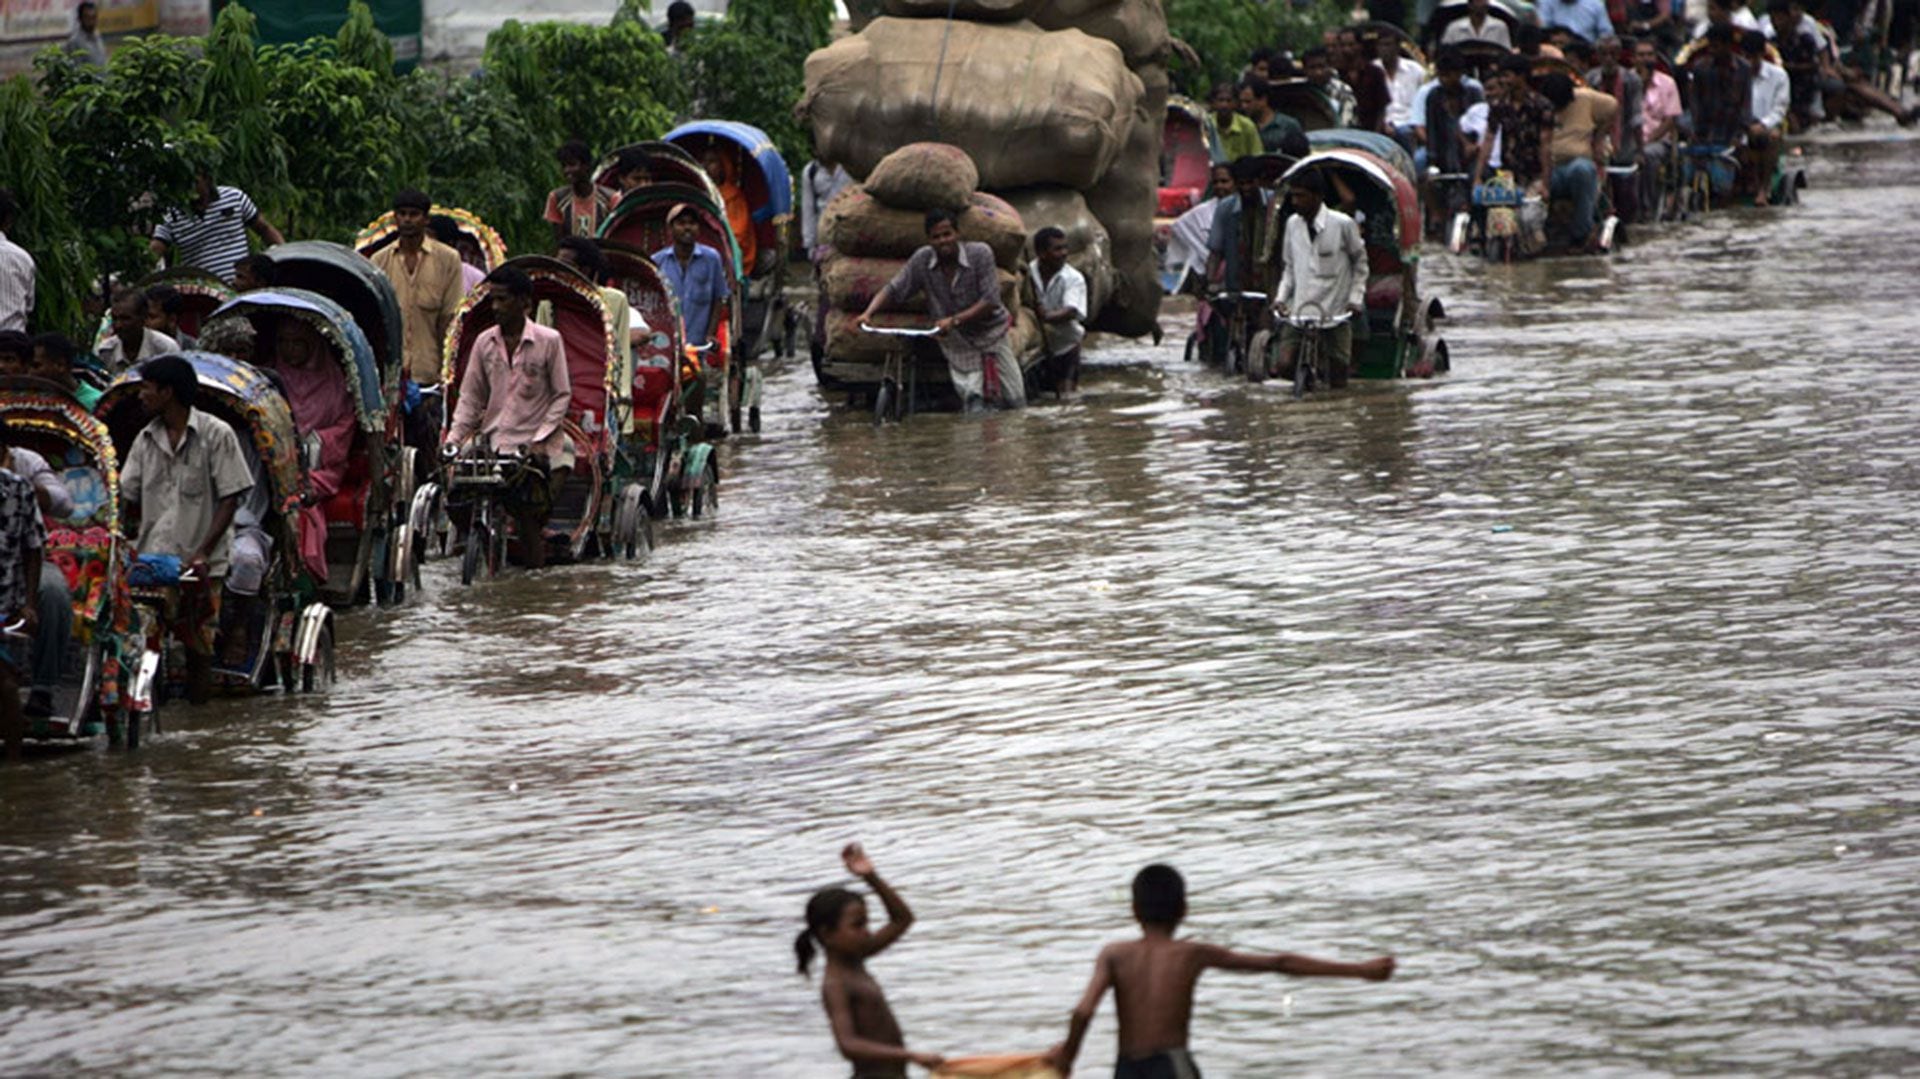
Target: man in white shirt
<point>1772,91</point>
<point>1060,293</point>
<point>1323,279</point>
<point>1477,25</point>
<point>1404,78</point>
<point>132,342</point>
<point>16,270</point>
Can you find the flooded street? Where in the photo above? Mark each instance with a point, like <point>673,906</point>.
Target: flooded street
<point>1585,680</point>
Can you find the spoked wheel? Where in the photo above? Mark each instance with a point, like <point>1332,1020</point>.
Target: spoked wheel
<point>632,525</point>
<point>1306,360</point>
<point>885,401</point>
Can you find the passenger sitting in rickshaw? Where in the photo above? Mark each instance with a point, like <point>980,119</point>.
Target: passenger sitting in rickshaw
<point>632,170</point>
<point>23,542</point>
<point>1772,92</point>
<point>1323,277</point>
<point>1234,243</point>
<point>1446,146</point>
<point>183,478</point>
<point>473,261</point>
<point>1660,112</point>
<point>132,339</point>
<point>252,548</point>
<point>16,354</point>
<point>1317,64</point>
<point>724,170</point>
<point>1520,125</point>
<point>52,624</point>
<point>515,396</point>
<point>1722,105</point>
<point>323,412</point>
<point>1582,130</point>
<point>1613,74</point>
<point>1819,79</point>
<point>53,355</point>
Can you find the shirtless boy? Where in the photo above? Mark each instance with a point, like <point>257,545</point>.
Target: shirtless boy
<point>863,1026</point>
<point>1153,978</point>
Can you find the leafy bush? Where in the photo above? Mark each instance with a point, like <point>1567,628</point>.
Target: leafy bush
<point>1224,32</point>
<point>46,227</point>
<point>482,154</point>
<point>606,85</point>
<point>750,67</point>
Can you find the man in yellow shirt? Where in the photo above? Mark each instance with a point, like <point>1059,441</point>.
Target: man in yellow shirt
<point>1239,137</point>
<point>429,285</point>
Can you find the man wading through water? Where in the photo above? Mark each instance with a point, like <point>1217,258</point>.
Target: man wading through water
<point>963,293</point>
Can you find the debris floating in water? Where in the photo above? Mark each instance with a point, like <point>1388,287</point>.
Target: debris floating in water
<point>513,787</point>
<point>1503,528</point>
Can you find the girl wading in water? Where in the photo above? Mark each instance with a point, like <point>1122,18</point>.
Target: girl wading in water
<point>863,1026</point>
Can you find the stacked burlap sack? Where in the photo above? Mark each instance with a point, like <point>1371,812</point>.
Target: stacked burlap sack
<point>875,226</point>
<point>1060,103</point>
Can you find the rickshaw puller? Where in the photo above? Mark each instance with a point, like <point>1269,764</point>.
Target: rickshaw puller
<point>1325,273</point>
<point>515,394</point>
<point>184,476</point>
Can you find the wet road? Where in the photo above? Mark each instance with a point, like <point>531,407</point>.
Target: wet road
<point>1584,680</point>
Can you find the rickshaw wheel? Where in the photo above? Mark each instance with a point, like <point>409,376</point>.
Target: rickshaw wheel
<point>1257,365</point>
<point>705,500</point>
<point>753,419</point>
<point>479,538</point>
<point>883,402</point>
<point>320,672</point>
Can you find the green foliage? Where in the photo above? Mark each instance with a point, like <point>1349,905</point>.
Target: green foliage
<point>45,227</point>
<point>606,85</point>
<point>482,155</point>
<point>233,98</point>
<point>129,144</point>
<point>1224,32</point>
<point>341,124</point>
<point>750,67</point>
<point>361,44</point>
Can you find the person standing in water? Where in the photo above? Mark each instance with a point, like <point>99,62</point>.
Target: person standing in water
<point>864,1028</point>
<point>1153,978</point>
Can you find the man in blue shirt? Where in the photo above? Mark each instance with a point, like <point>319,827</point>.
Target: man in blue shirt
<point>1587,18</point>
<point>695,271</point>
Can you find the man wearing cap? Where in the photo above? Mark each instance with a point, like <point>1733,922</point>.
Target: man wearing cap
<point>695,271</point>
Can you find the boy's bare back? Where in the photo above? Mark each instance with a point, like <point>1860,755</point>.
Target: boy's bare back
<point>1153,980</point>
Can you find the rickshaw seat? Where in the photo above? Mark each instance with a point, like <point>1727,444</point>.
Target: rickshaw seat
<point>650,384</point>
<point>1384,293</point>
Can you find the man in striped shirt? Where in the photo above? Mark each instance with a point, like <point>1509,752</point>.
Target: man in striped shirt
<point>16,270</point>
<point>211,232</point>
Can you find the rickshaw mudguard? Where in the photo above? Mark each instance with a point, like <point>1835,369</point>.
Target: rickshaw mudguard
<point>693,465</point>
<point>336,325</point>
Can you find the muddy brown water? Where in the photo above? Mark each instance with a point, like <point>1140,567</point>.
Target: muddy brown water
<point>1586,680</point>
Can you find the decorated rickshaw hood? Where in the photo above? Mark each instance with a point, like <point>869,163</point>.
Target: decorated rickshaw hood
<point>332,322</point>
<point>381,230</point>
<point>755,144</point>
<point>32,404</point>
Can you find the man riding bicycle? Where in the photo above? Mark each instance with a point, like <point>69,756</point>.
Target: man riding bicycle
<point>1323,277</point>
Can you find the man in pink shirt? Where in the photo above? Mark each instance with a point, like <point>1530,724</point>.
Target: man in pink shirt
<point>514,395</point>
<point>1659,117</point>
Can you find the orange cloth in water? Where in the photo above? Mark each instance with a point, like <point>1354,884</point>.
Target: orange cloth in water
<point>1002,1066</point>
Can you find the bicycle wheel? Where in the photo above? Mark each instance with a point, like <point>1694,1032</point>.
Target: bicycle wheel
<point>477,543</point>
<point>1304,358</point>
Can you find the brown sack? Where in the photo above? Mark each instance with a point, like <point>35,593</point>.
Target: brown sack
<point>1027,105</point>
<point>848,344</point>
<point>971,10</point>
<point>851,283</point>
<point>1138,27</point>
<point>1125,203</point>
<point>924,176</point>
<point>855,223</point>
<point>1089,248</point>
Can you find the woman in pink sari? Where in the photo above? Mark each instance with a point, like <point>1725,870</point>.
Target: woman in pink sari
<point>323,410</point>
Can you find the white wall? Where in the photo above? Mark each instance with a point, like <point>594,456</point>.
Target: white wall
<point>458,29</point>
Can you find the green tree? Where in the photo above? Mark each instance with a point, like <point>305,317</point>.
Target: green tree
<point>46,227</point>
<point>482,154</point>
<point>751,67</point>
<point>233,100</point>
<point>1223,33</point>
<point>606,85</point>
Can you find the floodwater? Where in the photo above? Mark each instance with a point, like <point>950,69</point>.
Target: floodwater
<point>1585,680</point>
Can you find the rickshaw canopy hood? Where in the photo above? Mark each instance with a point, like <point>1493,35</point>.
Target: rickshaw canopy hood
<point>754,146</point>
<point>337,326</point>
<point>346,277</point>
<point>1385,178</point>
<point>36,406</point>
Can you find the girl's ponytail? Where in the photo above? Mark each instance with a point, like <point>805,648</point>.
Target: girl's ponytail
<point>803,949</point>
<point>823,913</point>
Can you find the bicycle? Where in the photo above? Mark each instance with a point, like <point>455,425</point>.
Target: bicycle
<point>485,478</point>
<point>1309,361</point>
<point>1242,309</point>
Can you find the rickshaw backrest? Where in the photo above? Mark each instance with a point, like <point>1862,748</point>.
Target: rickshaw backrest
<point>46,419</point>
<point>652,300</point>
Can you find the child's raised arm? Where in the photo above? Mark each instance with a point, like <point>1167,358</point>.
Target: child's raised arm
<point>1300,966</point>
<point>859,1050</point>
<point>899,915</point>
<point>1062,1056</point>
